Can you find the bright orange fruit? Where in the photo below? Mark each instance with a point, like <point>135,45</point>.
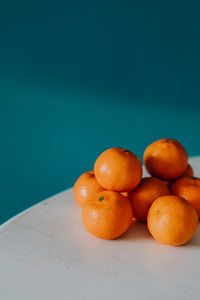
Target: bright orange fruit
<point>108,215</point>
<point>118,169</point>
<point>143,196</point>
<point>165,159</point>
<point>188,188</point>
<point>85,188</point>
<point>172,220</point>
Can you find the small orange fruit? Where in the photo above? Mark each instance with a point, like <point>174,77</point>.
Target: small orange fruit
<point>172,220</point>
<point>143,196</point>
<point>85,187</point>
<point>188,171</point>
<point>188,188</point>
<point>108,215</point>
<point>166,159</point>
<point>118,169</point>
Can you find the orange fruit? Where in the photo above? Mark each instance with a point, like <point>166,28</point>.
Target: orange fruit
<point>172,220</point>
<point>143,196</point>
<point>85,188</point>
<point>188,188</point>
<point>188,171</point>
<point>118,169</point>
<point>108,215</point>
<point>166,159</point>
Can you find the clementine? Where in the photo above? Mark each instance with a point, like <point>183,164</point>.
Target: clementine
<point>143,196</point>
<point>165,159</point>
<point>108,215</point>
<point>188,188</point>
<point>172,220</point>
<point>85,188</point>
<point>118,169</point>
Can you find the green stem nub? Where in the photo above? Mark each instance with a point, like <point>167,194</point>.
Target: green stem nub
<point>101,198</point>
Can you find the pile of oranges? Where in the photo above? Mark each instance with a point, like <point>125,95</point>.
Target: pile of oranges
<point>115,193</point>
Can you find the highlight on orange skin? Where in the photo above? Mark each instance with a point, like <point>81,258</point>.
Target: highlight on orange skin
<point>108,215</point>
<point>172,220</point>
<point>118,169</point>
<point>188,188</point>
<point>143,196</point>
<point>126,194</point>
<point>165,159</point>
<point>85,188</point>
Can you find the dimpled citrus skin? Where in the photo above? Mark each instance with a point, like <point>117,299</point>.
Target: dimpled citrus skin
<point>118,169</point>
<point>172,220</point>
<point>85,188</point>
<point>108,215</point>
<point>165,159</point>
<point>188,188</point>
<point>143,196</point>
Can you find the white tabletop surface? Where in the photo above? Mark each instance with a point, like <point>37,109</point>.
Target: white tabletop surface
<point>45,253</point>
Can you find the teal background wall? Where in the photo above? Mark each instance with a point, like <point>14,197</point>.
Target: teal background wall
<point>77,77</point>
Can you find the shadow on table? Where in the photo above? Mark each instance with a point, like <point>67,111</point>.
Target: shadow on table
<point>137,231</point>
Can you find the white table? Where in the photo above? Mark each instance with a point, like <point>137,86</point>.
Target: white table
<point>45,253</point>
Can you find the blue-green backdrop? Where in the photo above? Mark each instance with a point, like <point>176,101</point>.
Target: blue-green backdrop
<point>77,77</point>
